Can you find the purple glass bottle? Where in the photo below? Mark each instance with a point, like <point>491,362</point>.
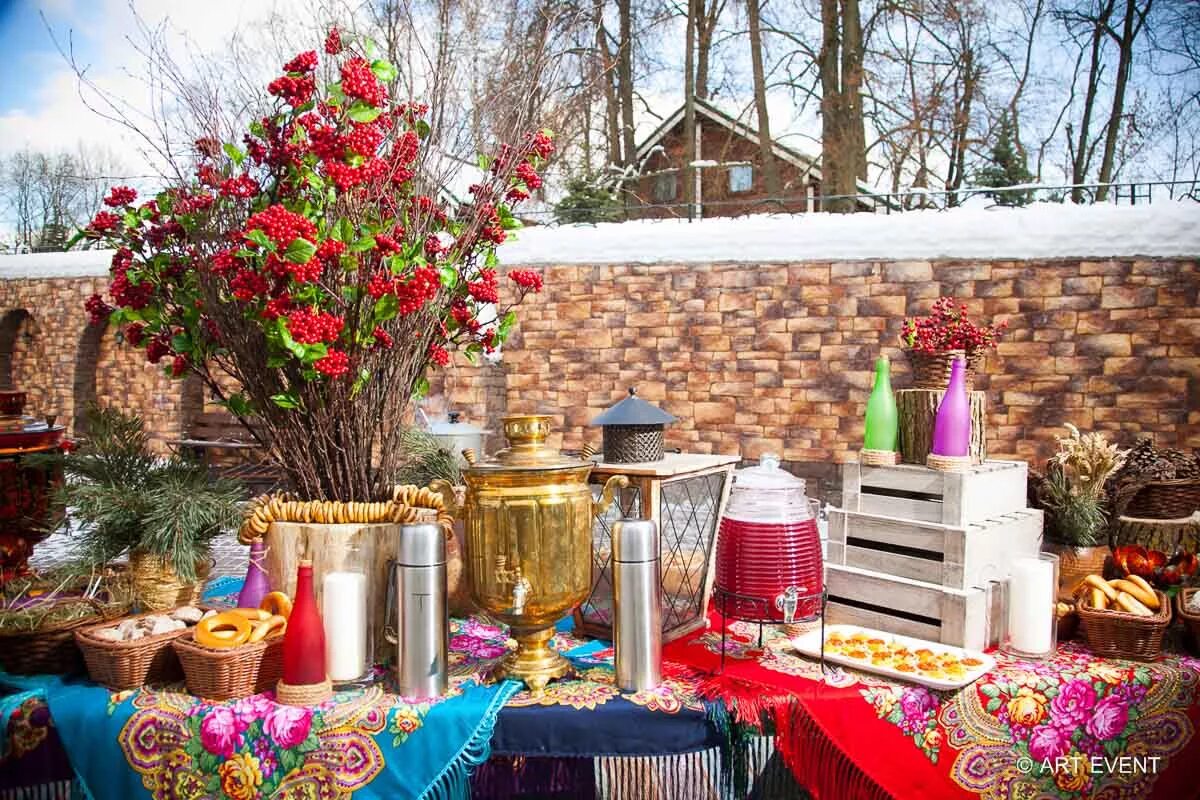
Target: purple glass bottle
<point>256,586</point>
<point>952,426</point>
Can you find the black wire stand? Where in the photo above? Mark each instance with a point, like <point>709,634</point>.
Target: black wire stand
<point>724,598</point>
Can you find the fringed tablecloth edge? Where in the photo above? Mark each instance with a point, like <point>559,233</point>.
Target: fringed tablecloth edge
<point>454,781</point>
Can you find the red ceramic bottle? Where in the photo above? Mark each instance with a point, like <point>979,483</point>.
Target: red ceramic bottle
<point>304,642</point>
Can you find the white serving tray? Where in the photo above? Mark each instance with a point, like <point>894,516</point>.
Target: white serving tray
<point>809,644</point>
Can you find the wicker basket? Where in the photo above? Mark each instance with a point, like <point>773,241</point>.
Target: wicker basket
<point>157,587</point>
<point>51,649</point>
<point>1175,499</point>
<point>231,673</point>
<point>1117,634</point>
<point>1191,619</point>
<point>932,370</point>
<point>128,665</point>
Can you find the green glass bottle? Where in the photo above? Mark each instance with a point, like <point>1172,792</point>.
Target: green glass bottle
<point>883,430</point>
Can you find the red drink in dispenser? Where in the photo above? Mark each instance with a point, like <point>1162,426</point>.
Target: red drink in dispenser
<point>769,544</point>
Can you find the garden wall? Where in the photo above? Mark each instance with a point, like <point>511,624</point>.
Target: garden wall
<point>750,357</point>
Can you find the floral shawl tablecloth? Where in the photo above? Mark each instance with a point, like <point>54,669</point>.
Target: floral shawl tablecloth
<point>1074,726</point>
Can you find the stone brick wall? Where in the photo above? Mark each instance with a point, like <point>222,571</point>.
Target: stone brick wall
<point>751,358</point>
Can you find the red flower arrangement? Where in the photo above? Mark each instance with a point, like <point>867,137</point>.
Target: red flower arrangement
<point>305,263</point>
<point>948,328</point>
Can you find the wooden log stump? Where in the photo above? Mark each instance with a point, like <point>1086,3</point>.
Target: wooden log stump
<point>917,408</point>
<point>1166,535</point>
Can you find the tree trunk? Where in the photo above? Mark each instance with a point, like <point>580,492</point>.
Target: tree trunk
<point>831,100</point>
<point>765,143</point>
<point>1082,155</point>
<point>687,172</point>
<point>962,123</point>
<point>625,82</point>
<point>611,104</point>
<point>852,80</point>
<point>706,25</point>
<point>1129,32</point>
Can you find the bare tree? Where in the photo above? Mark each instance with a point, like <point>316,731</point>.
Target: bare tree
<point>843,133</point>
<point>765,142</point>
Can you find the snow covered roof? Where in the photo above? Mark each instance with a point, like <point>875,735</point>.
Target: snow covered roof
<point>1038,231</point>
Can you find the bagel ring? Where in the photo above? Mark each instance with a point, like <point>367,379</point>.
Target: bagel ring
<point>223,631</point>
<point>265,628</point>
<point>277,604</point>
<point>252,614</point>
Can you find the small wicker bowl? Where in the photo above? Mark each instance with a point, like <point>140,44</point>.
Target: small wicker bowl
<point>232,673</point>
<point>1191,619</point>
<point>1119,634</point>
<point>51,649</point>
<point>1174,499</point>
<point>128,665</point>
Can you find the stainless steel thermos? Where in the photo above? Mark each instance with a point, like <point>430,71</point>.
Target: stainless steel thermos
<point>637,623</point>
<point>421,618</point>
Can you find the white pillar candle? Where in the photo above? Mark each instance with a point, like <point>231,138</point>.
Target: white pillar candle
<point>344,610</point>
<point>1031,591</point>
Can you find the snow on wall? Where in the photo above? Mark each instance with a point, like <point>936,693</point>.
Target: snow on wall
<point>1040,231</point>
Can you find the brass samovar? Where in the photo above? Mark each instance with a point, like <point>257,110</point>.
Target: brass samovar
<point>528,534</point>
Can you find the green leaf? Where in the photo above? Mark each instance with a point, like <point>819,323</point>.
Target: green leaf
<point>235,154</point>
<point>350,293</point>
<point>335,94</point>
<point>345,230</point>
<point>369,47</point>
<point>384,70</point>
<point>239,405</point>
<point>244,253</point>
<point>181,343</point>
<point>422,128</point>
<point>286,400</point>
<point>260,238</point>
<point>386,308</point>
<point>472,352</point>
<point>285,336</point>
<point>276,361</point>
<point>256,128</point>
<point>364,375</point>
<point>362,245</point>
<point>361,112</point>
<point>300,251</point>
<point>421,389</point>
<point>483,161</point>
<point>506,324</point>
<point>448,276</point>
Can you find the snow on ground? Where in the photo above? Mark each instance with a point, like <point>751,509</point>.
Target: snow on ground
<point>1039,231</point>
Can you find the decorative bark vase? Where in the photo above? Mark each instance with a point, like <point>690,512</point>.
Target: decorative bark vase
<point>1075,564</point>
<point>288,542</point>
<point>916,410</point>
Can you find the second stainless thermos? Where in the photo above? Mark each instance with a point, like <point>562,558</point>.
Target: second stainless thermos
<point>421,621</point>
<point>637,623</point>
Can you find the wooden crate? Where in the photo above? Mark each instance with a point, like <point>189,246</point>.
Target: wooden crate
<point>908,491</point>
<point>961,617</point>
<point>956,556</point>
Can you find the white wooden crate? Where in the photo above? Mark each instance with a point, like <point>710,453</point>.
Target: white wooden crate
<point>957,556</point>
<point>908,491</point>
<point>962,617</point>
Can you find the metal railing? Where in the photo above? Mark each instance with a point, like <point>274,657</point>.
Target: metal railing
<point>1125,193</point>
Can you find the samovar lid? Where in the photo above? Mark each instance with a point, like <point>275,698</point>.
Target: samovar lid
<point>527,448</point>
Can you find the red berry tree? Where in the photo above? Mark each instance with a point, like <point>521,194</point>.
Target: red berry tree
<point>947,327</point>
<point>304,263</point>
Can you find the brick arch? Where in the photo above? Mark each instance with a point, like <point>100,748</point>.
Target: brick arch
<point>87,357</point>
<point>10,326</point>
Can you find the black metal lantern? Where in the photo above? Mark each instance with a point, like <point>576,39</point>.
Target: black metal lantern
<point>633,430</point>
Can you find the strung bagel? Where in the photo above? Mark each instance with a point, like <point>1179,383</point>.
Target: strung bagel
<point>223,631</point>
<point>252,614</point>
<point>268,626</point>
<point>276,604</point>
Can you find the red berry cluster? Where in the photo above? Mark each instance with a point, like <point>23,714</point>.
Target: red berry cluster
<point>179,365</point>
<point>242,186</point>
<point>948,328</point>
<point>438,354</point>
<point>417,290</point>
<point>277,306</point>
<point>208,175</point>
<point>120,196</point>
<point>485,289</point>
<point>334,364</point>
<point>191,203</point>
<point>333,42</point>
<point>135,333</point>
<point>103,222</point>
<point>383,339</point>
<point>358,81</point>
<point>304,62</point>
<point>433,247</point>
<point>158,347</point>
<point>247,285</point>
<point>526,279</point>
<point>309,326</point>
<point>528,175</point>
<point>282,226</point>
<point>386,244</point>
<point>98,310</point>
<point>293,91</point>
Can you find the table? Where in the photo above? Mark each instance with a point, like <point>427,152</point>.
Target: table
<point>684,494</point>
